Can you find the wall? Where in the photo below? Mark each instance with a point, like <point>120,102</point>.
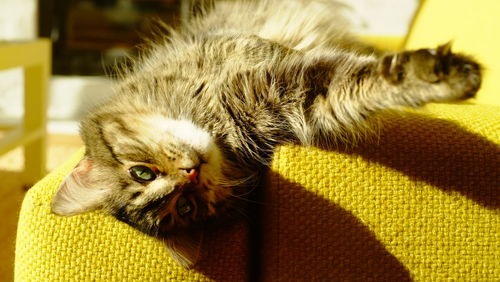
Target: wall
<point>17,22</point>
<point>382,17</point>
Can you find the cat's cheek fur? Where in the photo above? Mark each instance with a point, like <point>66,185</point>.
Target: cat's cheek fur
<point>77,194</point>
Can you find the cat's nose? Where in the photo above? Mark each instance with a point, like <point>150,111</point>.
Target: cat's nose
<point>191,174</point>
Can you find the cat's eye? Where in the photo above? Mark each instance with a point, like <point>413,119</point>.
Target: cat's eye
<point>142,173</point>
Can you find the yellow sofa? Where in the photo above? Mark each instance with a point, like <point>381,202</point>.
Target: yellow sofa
<point>421,203</point>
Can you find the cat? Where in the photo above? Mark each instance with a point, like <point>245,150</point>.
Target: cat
<point>194,123</point>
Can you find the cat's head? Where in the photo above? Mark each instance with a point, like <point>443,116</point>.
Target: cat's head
<point>159,175</point>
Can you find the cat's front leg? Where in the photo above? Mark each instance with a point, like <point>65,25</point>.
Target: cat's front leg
<point>360,86</point>
<point>432,75</point>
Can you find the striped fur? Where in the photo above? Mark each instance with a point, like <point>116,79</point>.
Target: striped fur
<point>223,92</point>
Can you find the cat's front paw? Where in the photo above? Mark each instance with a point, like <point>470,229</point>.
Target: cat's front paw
<point>460,73</point>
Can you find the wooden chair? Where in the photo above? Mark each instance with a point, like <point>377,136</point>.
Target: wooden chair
<point>35,58</point>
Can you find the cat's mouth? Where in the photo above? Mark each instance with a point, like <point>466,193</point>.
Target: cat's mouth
<point>183,211</point>
<point>184,206</point>
<point>193,203</point>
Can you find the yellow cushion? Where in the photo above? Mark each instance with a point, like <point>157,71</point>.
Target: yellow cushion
<point>472,26</point>
<point>420,203</point>
<point>97,247</point>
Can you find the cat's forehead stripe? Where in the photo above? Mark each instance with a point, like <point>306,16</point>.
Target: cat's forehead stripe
<point>138,158</point>
<point>107,145</point>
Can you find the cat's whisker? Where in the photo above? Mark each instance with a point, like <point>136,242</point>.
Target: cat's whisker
<point>240,210</point>
<point>246,192</point>
<point>241,198</point>
<point>248,200</point>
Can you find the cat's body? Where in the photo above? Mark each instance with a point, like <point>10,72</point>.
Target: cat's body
<point>195,123</point>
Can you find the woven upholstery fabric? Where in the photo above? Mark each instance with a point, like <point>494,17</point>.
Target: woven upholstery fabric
<point>421,202</point>
<point>97,247</point>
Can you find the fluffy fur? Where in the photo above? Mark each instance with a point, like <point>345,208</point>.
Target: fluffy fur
<point>200,114</point>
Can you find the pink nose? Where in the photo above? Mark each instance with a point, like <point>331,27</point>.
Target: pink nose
<point>192,174</point>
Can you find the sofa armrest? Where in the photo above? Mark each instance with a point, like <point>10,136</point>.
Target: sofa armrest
<point>420,202</point>
<point>97,247</point>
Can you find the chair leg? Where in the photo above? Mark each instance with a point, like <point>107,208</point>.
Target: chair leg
<point>35,160</point>
<point>35,108</point>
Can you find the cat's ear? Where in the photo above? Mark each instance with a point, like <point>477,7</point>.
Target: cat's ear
<point>77,193</point>
<point>185,247</point>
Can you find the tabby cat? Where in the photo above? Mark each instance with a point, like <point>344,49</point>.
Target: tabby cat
<point>195,121</point>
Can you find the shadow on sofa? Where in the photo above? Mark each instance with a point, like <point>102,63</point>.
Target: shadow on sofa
<point>318,239</point>
<point>308,236</point>
<point>438,152</point>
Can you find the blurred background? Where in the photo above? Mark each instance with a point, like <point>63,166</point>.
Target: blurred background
<point>89,38</point>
